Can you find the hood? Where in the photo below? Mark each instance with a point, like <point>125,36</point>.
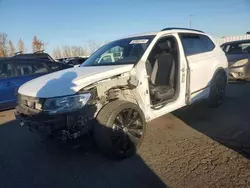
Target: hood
<point>69,81</point>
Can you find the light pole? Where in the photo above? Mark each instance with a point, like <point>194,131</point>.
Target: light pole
<point>190,21</point>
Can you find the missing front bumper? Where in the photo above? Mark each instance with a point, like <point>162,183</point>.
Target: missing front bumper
<point>63,126</point>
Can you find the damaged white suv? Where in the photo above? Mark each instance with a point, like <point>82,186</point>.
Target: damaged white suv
<point>113,96</point>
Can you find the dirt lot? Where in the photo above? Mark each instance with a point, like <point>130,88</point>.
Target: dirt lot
<point>193,147</point>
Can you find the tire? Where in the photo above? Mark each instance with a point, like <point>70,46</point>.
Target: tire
<point>217,90</point>
<point>119,129</point>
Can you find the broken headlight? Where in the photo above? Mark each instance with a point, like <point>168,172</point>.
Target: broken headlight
<point>240,63</point>
<point>66,103</point>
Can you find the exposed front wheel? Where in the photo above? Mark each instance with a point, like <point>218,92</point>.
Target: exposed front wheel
<point>217,90</point>
<point>119,129</point>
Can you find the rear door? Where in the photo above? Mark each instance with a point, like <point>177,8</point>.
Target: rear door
<point>202,62</point>
<point>8,85</point>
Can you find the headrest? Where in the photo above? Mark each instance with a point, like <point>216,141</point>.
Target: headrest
<point>166,45</point>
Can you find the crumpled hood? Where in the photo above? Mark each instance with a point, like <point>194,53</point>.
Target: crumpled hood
<point>69,81</point>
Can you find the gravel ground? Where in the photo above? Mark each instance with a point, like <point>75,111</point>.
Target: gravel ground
<point>192,147</point>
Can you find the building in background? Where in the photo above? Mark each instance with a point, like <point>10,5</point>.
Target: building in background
<point>232,38</point>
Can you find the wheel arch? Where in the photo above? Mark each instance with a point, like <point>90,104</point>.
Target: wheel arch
<point>219,70</point>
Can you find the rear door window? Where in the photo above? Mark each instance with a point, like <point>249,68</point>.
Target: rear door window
<point>31,68</point>
<point>193,44</point>
<point>6,70</point>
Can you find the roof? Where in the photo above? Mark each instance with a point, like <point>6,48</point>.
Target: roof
<point>23,60</point>
<point>168,30</point>
<point>180,28</point>
<point>237,41</point>
<point>33,56</point>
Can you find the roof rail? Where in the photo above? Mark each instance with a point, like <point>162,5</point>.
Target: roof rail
<point>179,28</point>
<point>17,53</point>
<point>39,51</point>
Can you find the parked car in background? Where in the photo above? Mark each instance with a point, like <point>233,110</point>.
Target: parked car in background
<point>147,76</point>
<point>40,55</point>
<point>36,55</point>
<point>76,61</point>
<point>14,72</point>
<point>238,55</point>
<point>73,61</point>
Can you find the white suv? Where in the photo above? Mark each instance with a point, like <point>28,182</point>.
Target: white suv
<point>152,75</point>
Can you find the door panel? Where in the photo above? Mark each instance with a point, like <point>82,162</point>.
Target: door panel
<point>202,58</point>
<point>7,85</point>
<point>8,88</point>
<point>202,68</point>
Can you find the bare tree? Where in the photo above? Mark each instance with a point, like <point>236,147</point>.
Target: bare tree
<point>75,51</point>
<point>93,46</point>
<point>20,46</point>
<point>57,53</point>
<point>37,45</point>
<point>78,51</point>
<point>83,51</point>
<point>66,51</point>
<point>3,45</point>
<point>12,49</point>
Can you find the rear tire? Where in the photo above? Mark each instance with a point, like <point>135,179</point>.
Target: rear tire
<point>217,90</point>
<point>119,129</point>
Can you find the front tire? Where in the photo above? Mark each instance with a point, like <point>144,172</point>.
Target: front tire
<point>217,90</point>
<point>119,129</point>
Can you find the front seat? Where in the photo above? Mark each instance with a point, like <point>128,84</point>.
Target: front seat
<point>161,74</point>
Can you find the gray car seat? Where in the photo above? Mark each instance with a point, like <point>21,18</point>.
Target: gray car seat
<point>161,74</point>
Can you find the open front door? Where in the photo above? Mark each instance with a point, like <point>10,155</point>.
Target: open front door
<point>167,61</point>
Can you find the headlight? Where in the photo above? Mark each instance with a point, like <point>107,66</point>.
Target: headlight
<point>240,63</point>
<point>66,104</point>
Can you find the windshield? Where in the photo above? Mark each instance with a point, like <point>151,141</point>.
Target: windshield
<point>120,52</point>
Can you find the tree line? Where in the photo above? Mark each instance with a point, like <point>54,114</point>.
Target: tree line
<point>8,49</point>
<point>74,50</point>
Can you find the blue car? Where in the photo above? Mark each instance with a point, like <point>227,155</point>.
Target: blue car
<point>15,72</point>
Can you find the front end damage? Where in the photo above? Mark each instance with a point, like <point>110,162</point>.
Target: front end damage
<point>74,124</point>
<point>63,126</point>
<point>239,70</point>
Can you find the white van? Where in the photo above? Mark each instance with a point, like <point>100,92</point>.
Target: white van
<point>152,75</point>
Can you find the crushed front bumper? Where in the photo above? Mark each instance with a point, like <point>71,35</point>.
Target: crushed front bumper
<point>37,121</point>
<point>242,72</point>
<point>65,126</point>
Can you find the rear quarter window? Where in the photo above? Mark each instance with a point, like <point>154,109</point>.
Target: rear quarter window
<point>209,45</point>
